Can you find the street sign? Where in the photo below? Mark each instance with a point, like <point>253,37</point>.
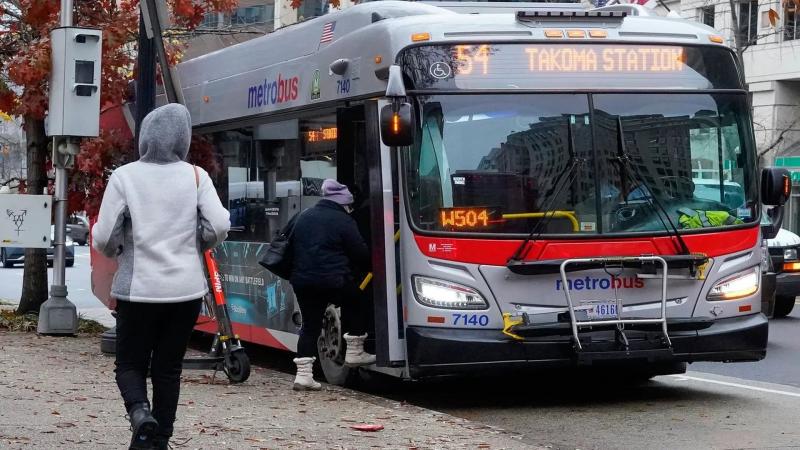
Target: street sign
<point>25,220</point>
<point>792,164</point>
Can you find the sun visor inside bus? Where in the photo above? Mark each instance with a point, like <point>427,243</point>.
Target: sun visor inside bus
<point>287,129</point>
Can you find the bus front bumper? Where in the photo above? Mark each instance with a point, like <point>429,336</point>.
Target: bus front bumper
<point>439,351</point>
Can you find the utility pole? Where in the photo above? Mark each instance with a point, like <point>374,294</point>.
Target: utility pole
<point>74,112</point>
<point>145,102</point>
<point>146,76</point>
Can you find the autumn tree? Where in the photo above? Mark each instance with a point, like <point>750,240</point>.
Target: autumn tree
<point>25,65</point>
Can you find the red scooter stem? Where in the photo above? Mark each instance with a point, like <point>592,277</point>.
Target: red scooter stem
<point>216,280</point>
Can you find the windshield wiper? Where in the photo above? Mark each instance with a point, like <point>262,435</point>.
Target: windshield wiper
<point>651,197</point>
<point>562,180</point>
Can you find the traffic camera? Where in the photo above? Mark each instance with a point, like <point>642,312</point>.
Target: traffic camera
<point>74,108</point>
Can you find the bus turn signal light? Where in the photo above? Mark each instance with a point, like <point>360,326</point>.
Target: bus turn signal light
<point>716,39</point>
<point>791,267</point>
<point>419,37</point>
<point>396,123</point>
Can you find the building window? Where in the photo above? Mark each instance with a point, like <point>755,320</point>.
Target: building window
<point>210,21</point>
<point>707,15</point>
<point>313,8</point>
<point>748,21</point>
<point>791,23</point>
<point>251,15</point>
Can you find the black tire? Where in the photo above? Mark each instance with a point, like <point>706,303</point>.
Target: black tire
<point>331,349</point>
<point>6,264</point>
<point>237,366</point>
<point>783,305</point>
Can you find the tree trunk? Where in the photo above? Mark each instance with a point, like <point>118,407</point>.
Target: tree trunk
<point>34,280</point>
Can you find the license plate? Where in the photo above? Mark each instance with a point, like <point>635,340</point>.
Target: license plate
<point>599,310</point>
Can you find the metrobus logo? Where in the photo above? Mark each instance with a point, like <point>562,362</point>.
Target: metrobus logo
<point>274,92</point>
<point>592,283</point>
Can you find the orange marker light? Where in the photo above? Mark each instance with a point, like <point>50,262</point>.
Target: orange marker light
<point>745,308</point>
<point>419,37</point>
<point>716,39</point>
<point>787,186</point>
<point>576,34</point>
<point>598,33</point>
<point>791,267</point>
<point>378,59</point>
<point>206,99</point>
<point>435,319</point>
<point>396,123</point>
<point>554,33</point>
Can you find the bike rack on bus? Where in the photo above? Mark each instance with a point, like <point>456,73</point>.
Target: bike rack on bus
<point>620,263</point>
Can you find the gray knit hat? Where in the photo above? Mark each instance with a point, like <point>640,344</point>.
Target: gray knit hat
<point>337,192</point>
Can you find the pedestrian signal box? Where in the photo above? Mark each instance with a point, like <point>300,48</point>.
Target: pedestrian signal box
<point>74,108</point>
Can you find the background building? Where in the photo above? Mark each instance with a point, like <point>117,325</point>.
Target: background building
<point>251,19</point>
<point>771,57</point>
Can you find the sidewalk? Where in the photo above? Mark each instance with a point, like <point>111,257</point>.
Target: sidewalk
<point>59,393</point>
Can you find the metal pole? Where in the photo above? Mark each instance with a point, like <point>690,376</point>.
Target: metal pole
<point>146,77</point>
<point>58,315</point>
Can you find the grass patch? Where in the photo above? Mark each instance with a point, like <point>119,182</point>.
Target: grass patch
<point>28,323</point>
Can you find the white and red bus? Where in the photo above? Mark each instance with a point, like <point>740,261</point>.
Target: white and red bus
<point>525,178</point>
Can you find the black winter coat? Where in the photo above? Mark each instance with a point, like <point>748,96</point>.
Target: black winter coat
<point>326,247</point>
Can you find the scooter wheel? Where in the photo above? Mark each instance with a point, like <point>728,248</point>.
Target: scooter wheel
<point>237,367</point>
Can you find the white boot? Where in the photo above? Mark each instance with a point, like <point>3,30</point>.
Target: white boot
<point>304,380</point>
<point>356,356</point>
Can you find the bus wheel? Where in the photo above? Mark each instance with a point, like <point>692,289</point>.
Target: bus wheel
<point>331,348</point>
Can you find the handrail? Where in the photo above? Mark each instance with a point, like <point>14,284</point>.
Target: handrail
<point>569,215</point>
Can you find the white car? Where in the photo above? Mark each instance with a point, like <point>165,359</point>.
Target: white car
<point>783,251</point>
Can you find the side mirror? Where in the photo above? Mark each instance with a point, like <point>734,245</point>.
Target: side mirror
<point>397,127</point>
<point>776,186</point>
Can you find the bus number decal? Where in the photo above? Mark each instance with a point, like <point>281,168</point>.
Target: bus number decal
<point>343,86</point>
<point>476,320</point>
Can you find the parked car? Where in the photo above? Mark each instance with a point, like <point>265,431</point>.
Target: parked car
<point>783,251</point>
<point>78,229</point>
<point>16,255</point>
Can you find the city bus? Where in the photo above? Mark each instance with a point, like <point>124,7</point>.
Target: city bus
<point>526,177</point>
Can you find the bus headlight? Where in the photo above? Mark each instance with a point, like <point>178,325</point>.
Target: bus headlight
<point>789,254</point>
<point>736,286</point>
<point>445,294</point>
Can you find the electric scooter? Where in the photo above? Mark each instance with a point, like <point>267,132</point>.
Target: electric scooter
<point>226,353</point>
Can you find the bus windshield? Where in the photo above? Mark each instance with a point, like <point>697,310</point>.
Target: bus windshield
<point>503,163</point>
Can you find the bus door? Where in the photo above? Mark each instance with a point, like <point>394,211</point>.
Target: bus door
<point>366,165</point>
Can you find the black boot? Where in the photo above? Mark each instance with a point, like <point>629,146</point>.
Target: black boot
<point>161,442</point>
<point>143,426</point>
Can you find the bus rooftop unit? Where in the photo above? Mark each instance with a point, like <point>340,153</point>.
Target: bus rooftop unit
<point>563,186</point>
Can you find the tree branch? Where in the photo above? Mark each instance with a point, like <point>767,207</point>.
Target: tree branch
<point>779,139</point>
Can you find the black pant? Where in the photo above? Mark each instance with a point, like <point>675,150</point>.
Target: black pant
<point>314,300</point>
<point>154,336</point>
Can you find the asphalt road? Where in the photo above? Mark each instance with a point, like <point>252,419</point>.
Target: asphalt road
<point>725,406</point>
<point>78,285</point>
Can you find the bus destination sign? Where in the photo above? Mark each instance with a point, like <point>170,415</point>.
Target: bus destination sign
<point>543,66</point>
<point>477,59</point>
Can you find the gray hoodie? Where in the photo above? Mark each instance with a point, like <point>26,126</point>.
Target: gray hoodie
<point>156,219</point>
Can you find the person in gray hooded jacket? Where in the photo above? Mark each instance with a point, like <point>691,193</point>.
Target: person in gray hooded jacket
<point>157,217</point>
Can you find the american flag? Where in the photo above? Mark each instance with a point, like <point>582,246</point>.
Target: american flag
<point>327,32</point>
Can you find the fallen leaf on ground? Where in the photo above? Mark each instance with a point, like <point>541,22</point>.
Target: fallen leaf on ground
<point>367,427</point>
